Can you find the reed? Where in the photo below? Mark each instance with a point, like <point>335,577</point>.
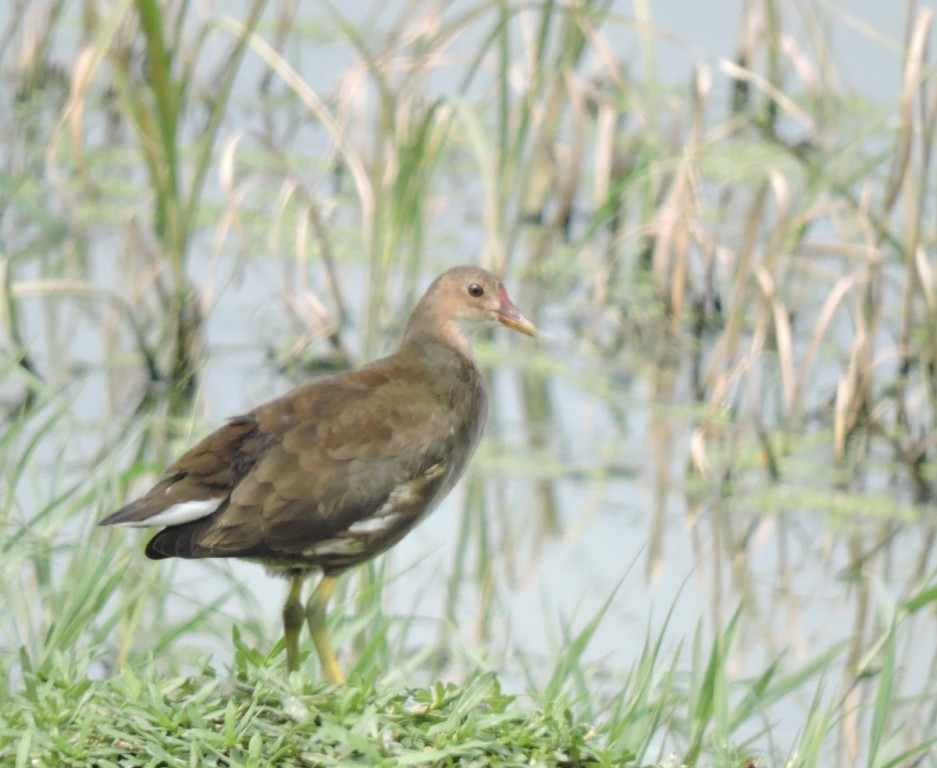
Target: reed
<point>175,130</point>
<point>748,251</point>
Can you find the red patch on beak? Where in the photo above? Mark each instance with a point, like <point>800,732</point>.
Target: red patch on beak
<point>510,315</point>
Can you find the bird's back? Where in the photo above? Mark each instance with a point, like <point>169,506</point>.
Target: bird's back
<point>330,474</point>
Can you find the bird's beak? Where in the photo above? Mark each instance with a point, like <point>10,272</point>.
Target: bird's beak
<point>511,316</point>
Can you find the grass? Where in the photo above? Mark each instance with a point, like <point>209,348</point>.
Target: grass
<point>750,253</point>
<point>77,711</point>
<point>255,718</point>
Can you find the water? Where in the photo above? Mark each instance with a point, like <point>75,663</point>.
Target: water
<point>670,563</point>
<point>673,554</point>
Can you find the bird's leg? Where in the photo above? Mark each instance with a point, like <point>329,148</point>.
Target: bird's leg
<point>315,615</point>
<point>293,622</point>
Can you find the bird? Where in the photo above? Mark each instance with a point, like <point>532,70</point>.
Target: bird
<point>339,469</point>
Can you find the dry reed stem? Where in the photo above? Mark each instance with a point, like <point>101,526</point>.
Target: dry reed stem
<point>292,78</point>
<point>834,297</point>
<point>783,334</point>
<point>722,370</point>
<point>71,122</point>
<point>914,183</point>
<point>904,139</point>
<point>736,72</point>
<point>676,218</point>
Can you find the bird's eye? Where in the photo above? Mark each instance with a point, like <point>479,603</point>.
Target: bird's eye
<point>476,290</point>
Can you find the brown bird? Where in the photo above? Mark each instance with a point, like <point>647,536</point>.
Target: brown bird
<point>339,469</point>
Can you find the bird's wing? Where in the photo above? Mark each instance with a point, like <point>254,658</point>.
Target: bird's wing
<point>200,480</point>
<point>367,448</point>
<point>357,448</point>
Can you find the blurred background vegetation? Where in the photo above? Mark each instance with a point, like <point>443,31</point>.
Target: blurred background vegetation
<point>204,203</point>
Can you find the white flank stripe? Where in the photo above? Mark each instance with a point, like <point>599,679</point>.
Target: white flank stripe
<point>345,546</point>
<point>183,512</point>
<point>373,524</point>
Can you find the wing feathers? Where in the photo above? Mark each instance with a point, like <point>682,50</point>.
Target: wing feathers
<point>308,468</point>
<point>177,514</point>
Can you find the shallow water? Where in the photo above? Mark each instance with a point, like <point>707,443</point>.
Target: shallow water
<point>627,529</point>
<point>673,552</point>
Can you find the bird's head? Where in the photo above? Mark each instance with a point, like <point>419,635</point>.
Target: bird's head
<point>462,299</point>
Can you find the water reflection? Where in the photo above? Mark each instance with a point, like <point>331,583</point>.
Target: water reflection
<point>698,476</point>
<point>715,516</point>
<point>598,471</point>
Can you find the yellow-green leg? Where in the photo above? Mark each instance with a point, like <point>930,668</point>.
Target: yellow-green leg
<point>293,622</point>
<point>315,615</point>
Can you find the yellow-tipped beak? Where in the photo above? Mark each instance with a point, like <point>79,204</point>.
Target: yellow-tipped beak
<point>511,316</point>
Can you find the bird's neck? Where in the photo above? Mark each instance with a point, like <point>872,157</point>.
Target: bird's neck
<point>427,328</point>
